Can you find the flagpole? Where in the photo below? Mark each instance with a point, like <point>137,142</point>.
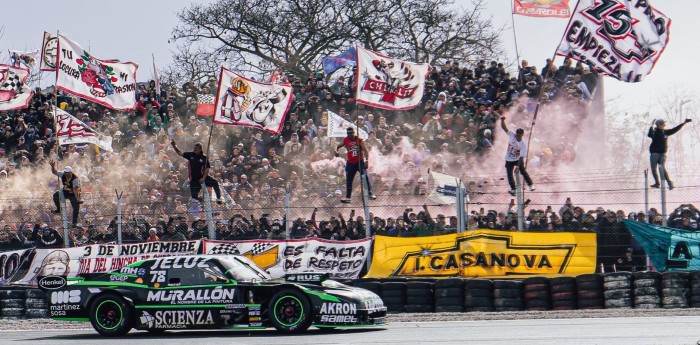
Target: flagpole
<point>544,79</point>
<point>515,39</point>
<point>62,198</point>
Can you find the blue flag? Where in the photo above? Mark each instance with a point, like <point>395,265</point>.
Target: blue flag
<point>333,63</point>
<point>669,249</point>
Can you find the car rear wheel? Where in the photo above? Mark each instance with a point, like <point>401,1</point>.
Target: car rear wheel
<point>290,312</point>
<point>110,315</point>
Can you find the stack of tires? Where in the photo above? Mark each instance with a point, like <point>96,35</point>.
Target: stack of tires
<point>478,295</point>
<point>507,295</point>
<point>394,296</point>
<point>589,291</point>
<point>563,293</point>
<point>618,290</point>
<point>419,297</point>
<point>674,290</point>
<point>36,304</point>
<point>449,295</point>
<point>694,298</point>
<point>12,303</point>
<point>536,293</point>
<point>646,288</point>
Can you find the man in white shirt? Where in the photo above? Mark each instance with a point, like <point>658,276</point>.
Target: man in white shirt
<point>515,156</point>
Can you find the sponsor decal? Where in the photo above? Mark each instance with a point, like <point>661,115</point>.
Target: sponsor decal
<point>305,277</point>
<point>194,296</point>
<point>180,262</point>
<point>52,282</point>
<point>117,278</point>
<point>61,297</point>
<point>177,318</point>
<point>338,308</point>
<point>338,319</point>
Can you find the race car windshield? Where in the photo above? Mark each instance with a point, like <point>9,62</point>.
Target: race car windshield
<point>243,269</point>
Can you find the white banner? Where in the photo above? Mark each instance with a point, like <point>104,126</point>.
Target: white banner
<point>99,258</point>
<point>337,127</point>
<point>444,190</point>
<point>10,263</point>
<point>619,38</point>
<point>14,92</point>
<point>343,260</point>
<point>388,83</point>
<point>73,131</point>
<point>110,83</point>
<point>20,58</point>
<point>49,51</point>
<point>244,102</point>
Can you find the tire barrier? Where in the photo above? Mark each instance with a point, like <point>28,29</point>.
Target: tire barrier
<point>507,295</point>
<point>478,295</point>
<point>563,293</point>
<point>589,291</point>
<point>536,295</point>
<point>449,295</point>
<point>646,288</point>
<point>619,290</point>
<point>674,290</point>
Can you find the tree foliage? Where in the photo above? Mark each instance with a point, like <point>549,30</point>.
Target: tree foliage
<point>258,36</point>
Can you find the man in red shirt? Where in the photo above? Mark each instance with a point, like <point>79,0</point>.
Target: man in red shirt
<point>358,156</point>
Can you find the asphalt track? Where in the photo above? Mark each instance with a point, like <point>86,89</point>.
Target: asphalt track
<point>616,331</point>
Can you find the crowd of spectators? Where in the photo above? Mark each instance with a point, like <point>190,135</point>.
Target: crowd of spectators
<point>454,127</point>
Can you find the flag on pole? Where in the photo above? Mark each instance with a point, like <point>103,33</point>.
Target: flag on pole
<point>620,38</point>
<point>14,92</point>
<point>244,102</point>
<point>73,131</point>
<point>156,78</point>
<point>205,104</point>
<point>444,190</point>
<point>20,58</point>
<point>388,83</point>
<point>49,51</point>
<point>107,82</point>
<point>334,63</point>
<point>337,127</point>
<point>542,8</point>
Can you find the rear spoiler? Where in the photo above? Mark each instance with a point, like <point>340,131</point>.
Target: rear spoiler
<point>312,278</point>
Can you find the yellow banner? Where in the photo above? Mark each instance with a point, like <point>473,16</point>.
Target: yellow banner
<point>485,253</point>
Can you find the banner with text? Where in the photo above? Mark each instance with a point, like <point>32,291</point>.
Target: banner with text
<point>343,260</point>
<point>542,8</point>
<point>98,258</point>
<point>11,262</point>
<point>668,249</point>
<point>485,253</point>
<point>106,82</point>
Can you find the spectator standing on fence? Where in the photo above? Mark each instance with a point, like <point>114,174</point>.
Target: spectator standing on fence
<point>515,156</point>
<point>71,190</point>
<point>357,159</point>
<point>659,147</point>
<point>199,171</point>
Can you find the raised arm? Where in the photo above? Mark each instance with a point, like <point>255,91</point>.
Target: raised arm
<point>172,142</point>
<point>52,163</point>
<point>503,124</point>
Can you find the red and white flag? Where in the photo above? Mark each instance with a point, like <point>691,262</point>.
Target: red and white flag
<point>244,102</point>
<point>20,58</point>
<point>110,83</point>
<point>620,38</point>
<point>73,131</point>
<point>388,83</point>
<point>49,51</point>
<point>542,8</point>
<point>205,104</point>
<point>14,92</point>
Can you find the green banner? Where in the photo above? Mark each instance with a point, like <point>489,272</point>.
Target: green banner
<point>668,249</point>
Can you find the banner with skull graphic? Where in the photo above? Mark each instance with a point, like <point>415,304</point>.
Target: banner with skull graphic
<point>107,82</point>
<point>244,102</point>
<point>388,83</point>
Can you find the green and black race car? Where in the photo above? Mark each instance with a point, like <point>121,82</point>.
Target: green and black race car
<point>208,292</point>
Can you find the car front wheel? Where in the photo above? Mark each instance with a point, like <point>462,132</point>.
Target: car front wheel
<point>290,311</point>
<point>110,315</point>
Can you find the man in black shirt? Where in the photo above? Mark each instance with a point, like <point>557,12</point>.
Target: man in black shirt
<point>199,171</point>
<point>659,147</point>
<point>71,190</point>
